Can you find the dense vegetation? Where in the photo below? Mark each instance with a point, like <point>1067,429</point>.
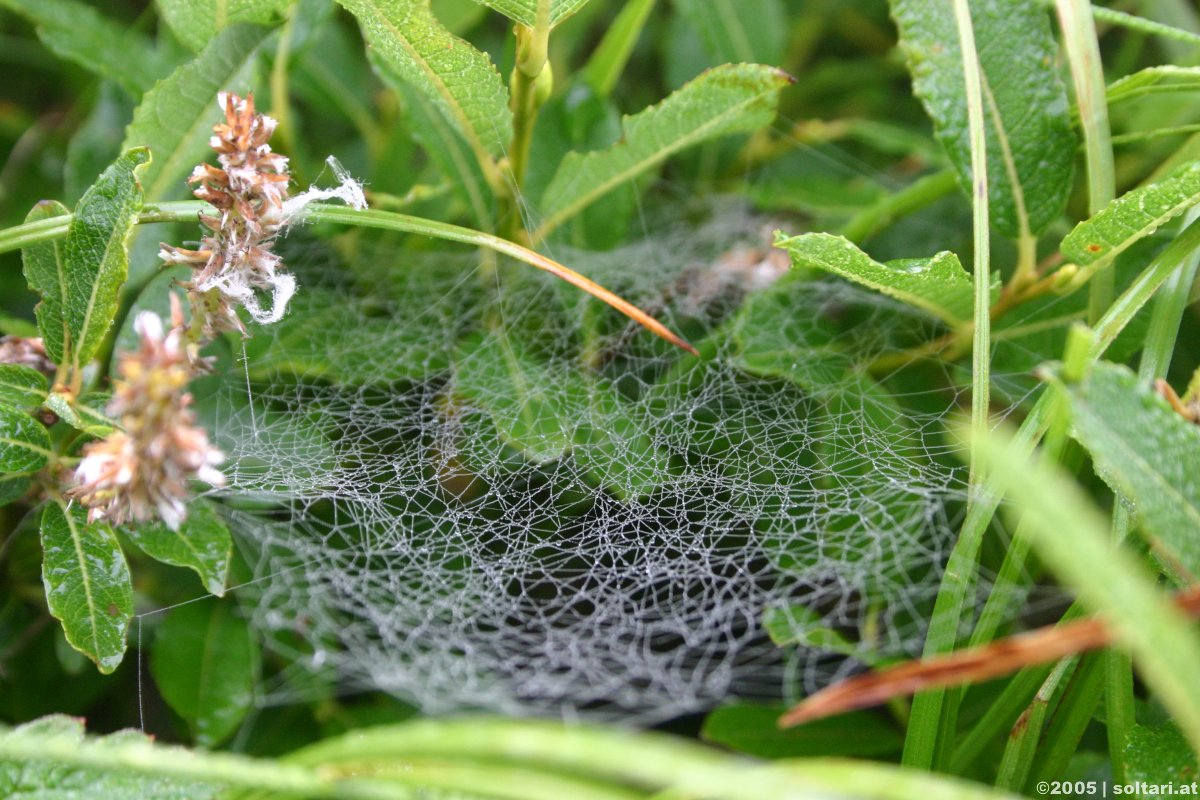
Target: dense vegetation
<point>858,332</point>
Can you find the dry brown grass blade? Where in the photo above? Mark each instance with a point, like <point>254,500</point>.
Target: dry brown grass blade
<point>975,665</point>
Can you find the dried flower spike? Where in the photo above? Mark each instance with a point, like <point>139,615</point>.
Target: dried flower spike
<point>26,351</point>
<point>142,472</point>
<point>234,262</point>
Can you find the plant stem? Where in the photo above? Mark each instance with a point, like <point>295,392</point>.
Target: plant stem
<point>1156,358</point>
<point>530,86</point>
<point>934,714</point>
<point>1087,74</point>
<point>1023,740</point>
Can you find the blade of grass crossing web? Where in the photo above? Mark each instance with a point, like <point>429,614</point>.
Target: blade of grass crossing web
<point>1073,539</point>
<point>933,720</point>
<point>1087,74</point>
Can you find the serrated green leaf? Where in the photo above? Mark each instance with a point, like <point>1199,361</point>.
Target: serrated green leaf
<point>754,730</point>
<point>87,583</point>
<point>739,31</point>
<point>1132,217</point>
<point>22,386</point>
<point>24,443</point>
<point>1030,143</point>
<point>202,544</point>
<point>196,22</point>
<point>205,663</point>
<point>47,781</point>
<point>938,285</point>
<point>96,252</point>
<point>13,487</point>
<point>461,81</point>
<point>175,118</point>
<point>735,98</point>
<point>79,33</point>
<point>45,267</point>
<point>529,12</point>
<point>445,146</point>
<point>1146,452</point>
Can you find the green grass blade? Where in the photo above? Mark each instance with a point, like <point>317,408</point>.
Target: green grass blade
<point>1072,537</point>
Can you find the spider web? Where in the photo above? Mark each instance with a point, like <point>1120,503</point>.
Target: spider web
<point>468,485</point>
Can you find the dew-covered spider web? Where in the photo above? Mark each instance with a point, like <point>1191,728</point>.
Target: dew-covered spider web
<point>464,483</point>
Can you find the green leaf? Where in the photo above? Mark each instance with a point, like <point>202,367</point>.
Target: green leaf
<point>754,730</point>
<point>202,544</point>
<point>1030,143</point>
<point>22,386</point>
<point>97,256</point>
<point>461,81</point>
<point>79,33</point>
<point>547,413</point>
<point>47,781</point>
<point>803,627</point>
<point>937,285</point>
<point>1154,80</point>
<point>445,146</point>
<point>13,488</point>
<point>1132,217</point>
<point>739,31</point>
<point>1146,452</point>
<point>45,267</point>
<point>735,98</point>
<point>1159,755</point>
<point>79,415</point>
<point>206,665</point>
<point>24,443</point>
<point>196,22</point>
<point>175,118</point>
<point>1073,538</point>
<point>528,12</point>
<point>87,583</point>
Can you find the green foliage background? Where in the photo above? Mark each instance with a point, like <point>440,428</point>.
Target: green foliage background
<point>863,157</point>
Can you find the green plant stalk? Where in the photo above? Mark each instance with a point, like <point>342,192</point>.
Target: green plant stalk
<point>1140,24</point>
<point>1071,719</point>
<point>1125,307</point>
<point>226,769</point>
<point>608,60</point>
<point>934,717</point>
<point>1087,75</point>
<point>530,86</point>
<point>1043,415</point>
<point>919,194</point>
<point>1002,714</point>
<point>1026,733</point>
<point>1165,319</point>
<point>1073,539</point>
<point>613,758</point>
